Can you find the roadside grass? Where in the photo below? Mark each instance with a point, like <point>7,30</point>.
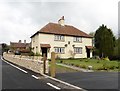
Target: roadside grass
<point>98,65</point>
<point>63,69</point>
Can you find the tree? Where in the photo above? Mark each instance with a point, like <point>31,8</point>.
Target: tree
<point>104,41</point>
<point>5,47</point>
<point>118,41</point>
<point>92,34</point>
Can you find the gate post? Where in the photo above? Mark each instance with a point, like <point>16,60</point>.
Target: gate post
<point>44,63</point>
<point>52,66</point>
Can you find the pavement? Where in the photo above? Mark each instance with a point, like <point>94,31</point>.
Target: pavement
<point>75,68</point>
<point>91,80</point>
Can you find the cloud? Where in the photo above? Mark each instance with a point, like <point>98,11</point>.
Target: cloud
<point>19,20</point>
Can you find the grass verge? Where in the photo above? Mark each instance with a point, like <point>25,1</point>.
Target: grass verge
<point>98,65</point>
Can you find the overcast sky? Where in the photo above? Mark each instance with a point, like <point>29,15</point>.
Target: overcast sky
<point>19,20</point>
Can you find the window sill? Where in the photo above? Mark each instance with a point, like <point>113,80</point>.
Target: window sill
<point>77,53</point>
<point>60,40</point>
<point>60,53</point>
<point>77,41</point>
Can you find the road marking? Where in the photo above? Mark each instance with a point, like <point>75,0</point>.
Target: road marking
<point>63,82</point>
<point>53,86</point>
<point>35,77</point>
<point>19,68</point>
<point>15,66</point>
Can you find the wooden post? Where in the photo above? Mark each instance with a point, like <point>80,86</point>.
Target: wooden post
<point>44,63</point>
<point>52,66</point>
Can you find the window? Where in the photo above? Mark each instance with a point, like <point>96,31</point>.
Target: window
<point>59,49</point>
<point>77,39</point>
<point>59,37</point>
<point>78,50</point>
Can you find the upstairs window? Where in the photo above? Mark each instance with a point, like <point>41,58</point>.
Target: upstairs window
<point>59,50</point>
<point>78,50</point>
<point>59,38</point>
<point>77,39</point>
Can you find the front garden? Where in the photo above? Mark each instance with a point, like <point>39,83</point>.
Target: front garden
<point>97,65</point>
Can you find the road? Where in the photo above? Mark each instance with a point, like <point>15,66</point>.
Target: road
<point>91,80</point>
<point>16,77</point>
<point>13,78</point>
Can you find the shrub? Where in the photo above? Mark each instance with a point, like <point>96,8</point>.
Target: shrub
<point>61,61</point>
<point>80,60</point>
<point>31,53</point>
<point>86,60</point>
<point>83,66</point>
<point>114,58</point>
<point>110,66</point>
<point>37,54</point>
<point>72,64</point>
<point>98,61</point>
<point>77,65</point>
<point>106,58</point>
<point>100,68</point>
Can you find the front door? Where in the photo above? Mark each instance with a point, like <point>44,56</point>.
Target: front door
<point>88,53</point>
<point>44,51</point>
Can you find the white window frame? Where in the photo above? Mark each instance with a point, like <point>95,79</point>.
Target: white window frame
<point>60,50</point>
<point>59,37</point>
<point>77,39</point>
<point>78,50</point>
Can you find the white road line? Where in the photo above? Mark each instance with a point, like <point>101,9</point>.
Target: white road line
<point>15,66</point>
<point>76,87</point>
<point>53,86</point>
<point>35,77</point>
<point>19,68</point>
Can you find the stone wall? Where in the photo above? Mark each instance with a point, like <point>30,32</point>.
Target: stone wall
<point>33,63</point>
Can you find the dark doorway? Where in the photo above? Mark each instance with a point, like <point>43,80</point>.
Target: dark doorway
<point>44,50</point>
<point>88,53</point>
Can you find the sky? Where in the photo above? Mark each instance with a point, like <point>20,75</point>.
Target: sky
<point>19,19</point>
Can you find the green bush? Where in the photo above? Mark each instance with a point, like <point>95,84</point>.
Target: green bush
<point>31,53</point>
<point>98,61</point>
<point>77,65</point>
<point>61,61</point>
<point>86,60</point>
<point>100,68</point>
<point>106,58</point>
<point>83,66</point>
<point>37,54</point>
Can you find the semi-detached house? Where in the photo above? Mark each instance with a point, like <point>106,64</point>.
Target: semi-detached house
<point>65,40</point>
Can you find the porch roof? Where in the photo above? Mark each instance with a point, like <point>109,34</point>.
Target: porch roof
<point>45,45</point>
<point>89,47</point>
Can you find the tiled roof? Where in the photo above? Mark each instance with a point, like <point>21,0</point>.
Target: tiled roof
<point>19,45</point>
<point>45,45</point>
<point>54,28</point>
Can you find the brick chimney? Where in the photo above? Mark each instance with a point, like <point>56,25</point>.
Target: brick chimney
<point>20,41</point>
<point>61,21</point>
<point>24,41</point>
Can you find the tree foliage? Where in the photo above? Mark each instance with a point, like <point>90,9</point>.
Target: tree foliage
<point>118,41</point>
<point>92,34</point>
<point>5,47</point>
<point>104,41</point>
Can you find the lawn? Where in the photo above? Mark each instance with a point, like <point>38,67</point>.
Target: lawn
<point>62,69</point>
<point>97,65</point>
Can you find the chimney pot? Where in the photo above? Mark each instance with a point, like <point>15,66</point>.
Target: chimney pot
<point>61,21</point>
<point>20,41</point>
<point>24,41</point>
